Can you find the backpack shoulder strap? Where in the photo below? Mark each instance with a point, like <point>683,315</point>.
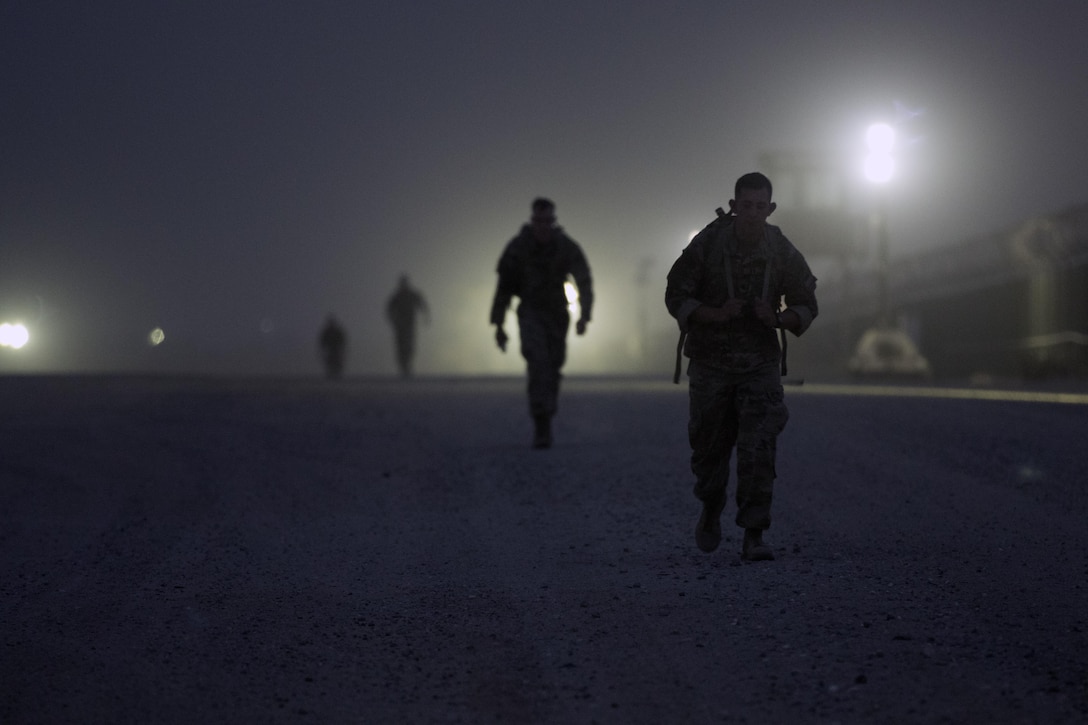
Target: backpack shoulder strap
<point>720,219</point>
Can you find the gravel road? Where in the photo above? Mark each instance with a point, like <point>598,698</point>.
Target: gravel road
<point>371,551</point>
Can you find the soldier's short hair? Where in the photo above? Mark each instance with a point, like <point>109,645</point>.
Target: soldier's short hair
<point>753,180</point>
<point>540,204</point>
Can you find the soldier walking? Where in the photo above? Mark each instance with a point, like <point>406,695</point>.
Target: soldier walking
<point>332,342</point>
<point>401,309</point>
<point>726,291</point>
<point>534,267</point>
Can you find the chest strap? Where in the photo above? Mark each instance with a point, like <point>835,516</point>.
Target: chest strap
<point>729,290</point>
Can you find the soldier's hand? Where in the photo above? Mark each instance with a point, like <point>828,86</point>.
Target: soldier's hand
<point>764,312</point>
<point>580,327</point>
<point>733,310</point>
<point>501,338</point>
<point>707,315</point>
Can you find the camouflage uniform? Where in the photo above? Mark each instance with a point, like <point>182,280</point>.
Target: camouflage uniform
<point>735,389</point>
<point>536,272</point>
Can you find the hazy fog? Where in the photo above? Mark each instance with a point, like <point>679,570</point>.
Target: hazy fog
<point>231,173</point>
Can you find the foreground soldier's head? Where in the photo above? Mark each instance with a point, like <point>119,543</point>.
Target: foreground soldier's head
<point>751,203</point>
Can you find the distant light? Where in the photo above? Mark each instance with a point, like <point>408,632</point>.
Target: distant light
<point>880,138</point>
<point>879,164</point>
<point>156,336</point>
<point>879,169</point>
<point>13,336</point>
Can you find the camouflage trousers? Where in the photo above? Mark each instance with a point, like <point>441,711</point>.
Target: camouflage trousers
<point>544,347</point>
<point>742,412</point>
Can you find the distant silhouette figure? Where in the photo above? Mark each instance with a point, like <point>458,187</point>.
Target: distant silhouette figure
<point>332,342</point>
<point>534,267</point>
<point>403,306</point>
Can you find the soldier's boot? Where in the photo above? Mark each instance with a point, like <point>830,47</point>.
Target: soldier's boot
<point>708,530</point>
<point>753,548</point>
<point>542,434</point>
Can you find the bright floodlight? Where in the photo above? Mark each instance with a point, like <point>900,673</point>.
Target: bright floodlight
<point>880,138</point>
<point>879,164</point>
<point>14,336</point>
<point>879,169</point>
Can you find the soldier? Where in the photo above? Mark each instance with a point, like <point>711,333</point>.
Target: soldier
<point>333,342</point>
<point>401,309</point>
<point>534,267</point>
<point>725,291</point>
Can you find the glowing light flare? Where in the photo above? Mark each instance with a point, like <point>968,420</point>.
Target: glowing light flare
<point>879,169</point>
<point>572,298</point>
<point>880,164</point>
<point>156,337</point>
<point>880,137</point>
<point>14,335</point>
<point>571,292</point>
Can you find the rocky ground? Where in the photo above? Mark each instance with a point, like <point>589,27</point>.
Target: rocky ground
<point>377,551</point>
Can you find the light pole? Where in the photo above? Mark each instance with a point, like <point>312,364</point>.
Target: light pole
<point>879,170</point>
<point>885,349</point>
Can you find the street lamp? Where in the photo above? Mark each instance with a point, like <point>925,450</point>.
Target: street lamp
<point>880,164</point>
<point>879,169</point>
<point>884,349</point>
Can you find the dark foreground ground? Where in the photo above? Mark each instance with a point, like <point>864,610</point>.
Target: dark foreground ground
<point>183,551</point>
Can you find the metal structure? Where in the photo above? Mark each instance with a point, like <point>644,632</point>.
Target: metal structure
<point>1010,304</point>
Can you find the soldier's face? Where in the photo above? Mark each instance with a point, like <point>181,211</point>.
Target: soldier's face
<point>542,223</point>
<point>752,207</point>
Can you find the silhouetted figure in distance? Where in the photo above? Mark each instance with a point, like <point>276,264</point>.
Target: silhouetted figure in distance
<point>402,308</point>
<point>534,267</point>
<point>333,343</point>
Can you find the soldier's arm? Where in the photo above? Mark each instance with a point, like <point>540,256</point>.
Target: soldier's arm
<point>800,296</point>
<point>498,314</point>
<point>683,281</point>
<point>583,279</point>
<point>504,287</point>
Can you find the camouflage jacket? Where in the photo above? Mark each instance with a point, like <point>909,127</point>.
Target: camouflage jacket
<point>704,275</point>
<point>535,272</point>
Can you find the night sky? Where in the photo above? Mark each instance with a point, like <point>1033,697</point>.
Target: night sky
<point>234,172</point>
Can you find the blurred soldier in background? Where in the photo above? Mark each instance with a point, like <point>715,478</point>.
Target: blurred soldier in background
<point>725,290</point>
<point>534,267</point>
<point>332,343</point>
<point>401,309</point>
